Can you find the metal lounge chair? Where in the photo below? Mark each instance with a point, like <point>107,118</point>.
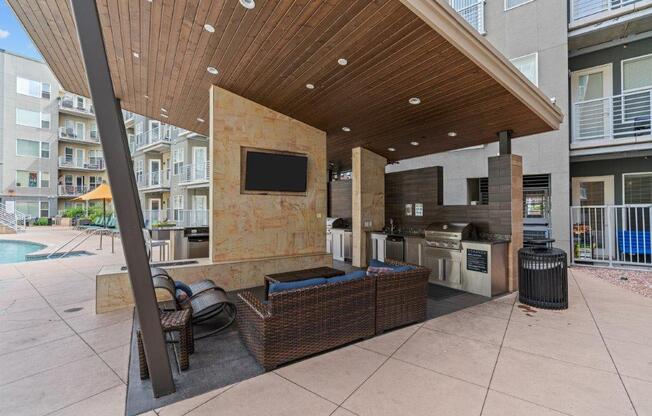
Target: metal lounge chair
<point>207,301</point>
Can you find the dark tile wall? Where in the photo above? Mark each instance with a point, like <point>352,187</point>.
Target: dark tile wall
<point>426,186</point>
<point>340,199</point>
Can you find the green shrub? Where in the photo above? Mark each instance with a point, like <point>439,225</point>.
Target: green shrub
<point>74,212</point>
<point>41,221</point>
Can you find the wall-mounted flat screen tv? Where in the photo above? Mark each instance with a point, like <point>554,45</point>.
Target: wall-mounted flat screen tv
<point>274,172</point>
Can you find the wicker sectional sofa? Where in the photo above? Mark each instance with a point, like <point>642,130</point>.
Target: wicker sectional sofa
<point>302,322</point>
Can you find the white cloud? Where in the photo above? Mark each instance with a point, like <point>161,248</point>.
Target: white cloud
<point>4,34</point>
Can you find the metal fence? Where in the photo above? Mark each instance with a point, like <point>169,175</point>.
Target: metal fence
<point>617,117</point>
<point>585,8</point>
<point>180,217</point>
<point>612,234</point>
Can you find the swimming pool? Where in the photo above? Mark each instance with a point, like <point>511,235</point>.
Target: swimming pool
<point>14,251</point>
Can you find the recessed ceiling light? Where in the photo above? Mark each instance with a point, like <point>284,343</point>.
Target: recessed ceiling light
<point>391,149</point>
<point>146,97</point>
<point>452,134</point>
<point>248,4</point>
<point>414,143</point>
<point>136,55</point>
<point>347,129</point>
<point>201,120</point>
<point>164,110</point>
<point>342,61</point>
<point>212,70</point>
<point>310,86</point>
<point>414,100</point>
<point>164,115</point>
<point>209,28</point>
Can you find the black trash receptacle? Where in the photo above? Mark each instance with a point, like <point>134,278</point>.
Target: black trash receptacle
<point>543,277</point>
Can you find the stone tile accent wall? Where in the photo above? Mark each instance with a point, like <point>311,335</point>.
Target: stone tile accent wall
<point>368,199</point>
<point>246,226</point>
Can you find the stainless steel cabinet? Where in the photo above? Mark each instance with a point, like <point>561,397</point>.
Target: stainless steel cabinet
<point>414,250</point>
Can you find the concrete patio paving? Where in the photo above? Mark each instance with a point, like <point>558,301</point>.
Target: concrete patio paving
<point>497,358</point>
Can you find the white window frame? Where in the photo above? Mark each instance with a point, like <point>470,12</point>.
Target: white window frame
<point>40,209</point>
<point>41,85</point>
<point>177,206</point>
<point>536,66</point>
<point>518,5</point>
<point>623,182</point>
<point>38,179</point>
<point>41,149</point>
<point>622,74</point>
<point>29,140</point>
<point>178,159</point>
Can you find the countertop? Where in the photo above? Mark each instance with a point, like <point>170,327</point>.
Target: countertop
<point>417,234</point>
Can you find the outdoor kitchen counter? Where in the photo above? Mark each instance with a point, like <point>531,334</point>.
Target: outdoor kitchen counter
<point>486,241</point>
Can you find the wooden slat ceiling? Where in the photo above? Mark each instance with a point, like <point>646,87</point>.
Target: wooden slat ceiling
<point>270,53</point>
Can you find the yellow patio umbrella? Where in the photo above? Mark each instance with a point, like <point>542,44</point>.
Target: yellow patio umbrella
<point>102,192</point>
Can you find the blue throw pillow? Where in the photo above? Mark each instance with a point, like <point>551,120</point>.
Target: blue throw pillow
<point>183,287</point>
<point>399,269</point>
<point>358,274</point>
<point>378,263</point>
<point>298,284</point>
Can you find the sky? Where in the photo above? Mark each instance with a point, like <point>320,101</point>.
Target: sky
<point>13,37</point>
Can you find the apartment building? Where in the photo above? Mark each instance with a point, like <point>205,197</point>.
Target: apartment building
<point>610,64</point>
<point>28,136</point>
<point>533,35</point>
<point>172,171</point>
<point>80,158</point>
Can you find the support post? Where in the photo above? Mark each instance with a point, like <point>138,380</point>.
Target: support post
<point>505,142</point>
<point>127,205</point>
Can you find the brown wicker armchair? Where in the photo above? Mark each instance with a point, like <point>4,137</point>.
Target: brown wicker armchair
<point>401,298</point>
<point>302,322</point>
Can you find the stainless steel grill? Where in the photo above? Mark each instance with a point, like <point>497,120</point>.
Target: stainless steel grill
<point>448,235</point>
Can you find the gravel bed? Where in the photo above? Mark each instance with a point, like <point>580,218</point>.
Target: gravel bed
<point>634,280</point>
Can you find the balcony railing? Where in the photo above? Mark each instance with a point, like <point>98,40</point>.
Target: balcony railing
<point>156,179</point>
<point>157,135</point>
<point>617,117</point>
<point>69,102</point>
<point>197,172</point>
<point>472,11</point>
<point>73,190</point>
<point>69,133</point>
<point>91,164</point>
<point>585,8</point>
<point>128,116</point>
<point>180,217</point>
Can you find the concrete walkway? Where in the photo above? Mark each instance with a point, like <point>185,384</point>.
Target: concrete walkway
<point>497,358</point>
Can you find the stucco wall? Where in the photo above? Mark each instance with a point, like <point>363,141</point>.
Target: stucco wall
<point>245,226</point>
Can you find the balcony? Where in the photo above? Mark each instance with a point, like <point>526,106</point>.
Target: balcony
<point>157,181</point>
<point>70,135</point>
<point>156,139</point>
<point>92,164</point>
<point>128,117</point>
<point>180,217</point>
<point>194,175</point>
<point>71,104</point>
<point>472,11</point>
<point>73,190</point>
<point>610,121</point>
<point>581,9</point>
<point>594,22</point>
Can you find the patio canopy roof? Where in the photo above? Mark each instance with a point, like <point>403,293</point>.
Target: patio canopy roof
<point>160,51</point>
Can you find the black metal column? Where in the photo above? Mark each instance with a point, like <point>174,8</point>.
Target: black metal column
<point>505,142</point>
<point>125,193</point>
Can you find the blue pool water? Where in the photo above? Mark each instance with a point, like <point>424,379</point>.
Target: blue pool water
<point>13,251</point>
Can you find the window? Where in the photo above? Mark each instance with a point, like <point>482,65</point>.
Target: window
<point>30,209</point>
<point>45,179</point>
<point>26,179</point>
<point>140,165</point>
<point>32,88</point>
<point>32,118</point>
<point>637,188</point>
<point>477,190</point>
<point>529,66</point>
<point>81,103</point>
<point>94,134</point>
<point>178,207</point>
<point>177,161</point>
<point>44,211</point>
<point>510,4</point>
<point>45,150</point>
<point>637,73</point>
<point>80,130</point>
<point>67,154</point>
<point>30,148</point>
